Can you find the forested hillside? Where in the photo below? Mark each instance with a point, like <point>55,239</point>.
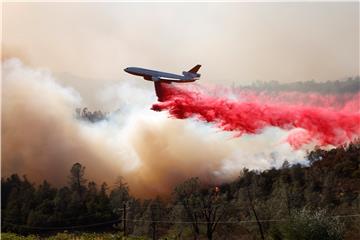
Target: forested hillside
<point>349,85</point>
<point>319,201</point>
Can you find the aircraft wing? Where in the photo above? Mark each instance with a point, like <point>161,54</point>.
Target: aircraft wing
<point>169,80</point>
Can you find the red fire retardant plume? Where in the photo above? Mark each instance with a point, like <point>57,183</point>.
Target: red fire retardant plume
<point>323,125</point>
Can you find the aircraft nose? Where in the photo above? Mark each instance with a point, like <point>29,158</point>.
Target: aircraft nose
<point>126,70</point>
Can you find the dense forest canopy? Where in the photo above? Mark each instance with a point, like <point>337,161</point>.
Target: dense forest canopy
<point>274,204</point>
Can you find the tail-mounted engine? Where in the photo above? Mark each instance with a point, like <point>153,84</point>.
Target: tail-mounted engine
<point>190,74</point>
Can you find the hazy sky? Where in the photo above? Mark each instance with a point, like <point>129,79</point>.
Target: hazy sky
<point>235,42</point>
<point>87,46</point>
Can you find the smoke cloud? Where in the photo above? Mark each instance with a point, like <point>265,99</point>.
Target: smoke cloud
<point>42,138</point>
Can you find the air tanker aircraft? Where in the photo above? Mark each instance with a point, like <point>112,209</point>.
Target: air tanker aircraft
<point>163,77</point>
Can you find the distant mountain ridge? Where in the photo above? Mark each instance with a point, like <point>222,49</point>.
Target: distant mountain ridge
<point>349,85</point>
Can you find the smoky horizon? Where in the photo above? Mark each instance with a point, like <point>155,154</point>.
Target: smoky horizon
<point>235,42</point>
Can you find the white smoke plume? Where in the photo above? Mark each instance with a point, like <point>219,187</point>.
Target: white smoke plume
<point>42,138</point>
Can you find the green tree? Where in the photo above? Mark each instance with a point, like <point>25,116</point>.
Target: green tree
<point>77,181</point>
<point>42,214</point>
<point>188,195</point>
<point>20,201</point>
<point>310,225</point>
<point>119,201</point>
<point>203,204</point>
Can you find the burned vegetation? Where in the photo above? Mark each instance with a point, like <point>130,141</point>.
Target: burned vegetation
<point>86,115</point>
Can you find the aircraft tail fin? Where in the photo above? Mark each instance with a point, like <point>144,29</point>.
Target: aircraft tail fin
<point>195,69</point>
<point>192,73</point>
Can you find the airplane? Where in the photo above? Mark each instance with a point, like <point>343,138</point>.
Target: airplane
<point>163,77</point>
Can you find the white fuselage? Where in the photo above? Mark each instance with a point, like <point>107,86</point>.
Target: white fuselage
<point>152,75</point>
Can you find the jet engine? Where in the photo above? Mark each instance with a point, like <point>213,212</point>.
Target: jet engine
<point>190,74</point>
<point>155,79</point>
<point>150,78</point>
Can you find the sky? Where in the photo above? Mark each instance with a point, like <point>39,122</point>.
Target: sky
<point>57,57</point>
<point>237,43</point>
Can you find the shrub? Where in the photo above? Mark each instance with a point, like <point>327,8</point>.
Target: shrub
<point>309,225</point>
